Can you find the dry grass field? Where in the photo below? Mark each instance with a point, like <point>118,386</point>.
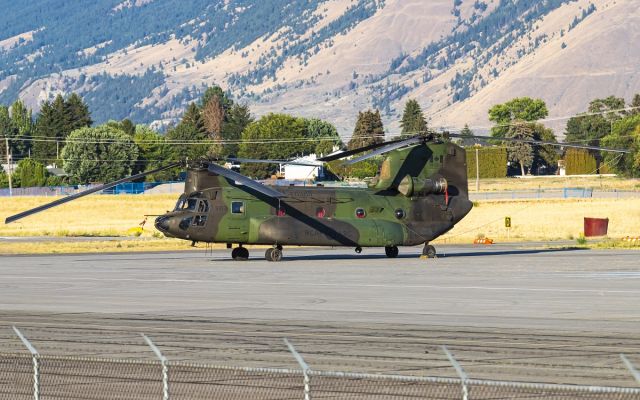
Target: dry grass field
<point>592,182</point>
<point>96,216</point>
<point>545,220</point>
<point>90,216</point>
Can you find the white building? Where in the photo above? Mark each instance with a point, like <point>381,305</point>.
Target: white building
<point>298,172</point>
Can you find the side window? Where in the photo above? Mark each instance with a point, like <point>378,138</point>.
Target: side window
<point>237,207</point>
<point>203,206</point>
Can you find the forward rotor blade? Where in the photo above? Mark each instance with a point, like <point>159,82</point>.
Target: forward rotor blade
<point>85,193</point>
<point>246,181</point>
<point>288,162</point>
<point>542,143</point>
<point>387,148</point>
<point>348,153</point>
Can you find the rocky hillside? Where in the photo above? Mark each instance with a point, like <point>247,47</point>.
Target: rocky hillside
<point>145,59</point>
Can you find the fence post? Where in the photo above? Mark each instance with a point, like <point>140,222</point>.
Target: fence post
<point>461,374</point>
<point>36,364</point>
<point>165,367</point>
<point>305,369</point>
<point>630,367</point>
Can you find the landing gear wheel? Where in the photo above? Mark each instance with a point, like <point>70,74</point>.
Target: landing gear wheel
<point>273,254</point>
<point>429,251</point>
<point>240,254</point>
<point>391,251</point>
<point>358,249</point>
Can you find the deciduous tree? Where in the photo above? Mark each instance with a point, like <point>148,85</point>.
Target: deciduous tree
<point>99,154</point>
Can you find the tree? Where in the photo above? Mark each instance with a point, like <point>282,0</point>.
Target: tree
<point>624,135</point>
<point>49,129</point>
<point>413,121</point>
<point>214,118</point>
<point>522,108</point>
<point>635,104</point>
<point>612,107</point>
<point>519,152</point>
<point>153,153</point>
<point>8,129</point>
<point>30,173</point>
<point>190,129</point>
<point>77,113</point>
<point>466,136</point>
<point>238,118</point>
<point>100,154</point>
<point>327,136</point>
<point>193,117</point>
<point>217,92</point>
<point>546,156</point>
<point>128,127</point>
<point>589,129</point>
<point>125,126</point>
<point>369,130</point>
<point>274,126</point>
<point>23,122</point>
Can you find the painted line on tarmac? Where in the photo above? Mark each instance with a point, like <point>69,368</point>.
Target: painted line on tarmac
<point>340,285</point>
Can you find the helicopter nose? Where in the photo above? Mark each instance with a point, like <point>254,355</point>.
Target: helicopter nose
<point>162,224</point>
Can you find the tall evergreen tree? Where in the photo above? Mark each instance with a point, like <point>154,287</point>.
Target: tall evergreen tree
<point>369,130</point>
<point>238,118</point>
<point>7,130</point>
<point>77,113</point>
<point>17,125</point>
<point>193,117</point>
<point>466,136</point>
<point>191,128</point>
<point>49,131</point>
<point>413,121</point>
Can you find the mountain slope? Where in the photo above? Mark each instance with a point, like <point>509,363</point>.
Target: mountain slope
<point>146,59</point>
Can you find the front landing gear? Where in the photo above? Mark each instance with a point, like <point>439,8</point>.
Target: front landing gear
<point>273,254</point>
<point>428,251</point>
<point>240,254</point>
<point>391,251</point>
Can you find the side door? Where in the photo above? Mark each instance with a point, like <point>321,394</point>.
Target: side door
<point>238,221</point>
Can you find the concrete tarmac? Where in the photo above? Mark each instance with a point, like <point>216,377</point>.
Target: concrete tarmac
<point>504,286</point>
<point>509,311</point>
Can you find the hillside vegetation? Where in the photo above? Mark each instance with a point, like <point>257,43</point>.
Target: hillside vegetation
<point>147,60</point>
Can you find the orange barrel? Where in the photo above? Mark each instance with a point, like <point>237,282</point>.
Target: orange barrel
<point>595,226</point>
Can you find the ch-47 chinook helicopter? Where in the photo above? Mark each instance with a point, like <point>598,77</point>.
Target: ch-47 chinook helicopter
<point>419,194</point>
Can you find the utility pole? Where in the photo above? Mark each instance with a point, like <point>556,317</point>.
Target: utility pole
<point>6,142</point>
<point>477,171</point>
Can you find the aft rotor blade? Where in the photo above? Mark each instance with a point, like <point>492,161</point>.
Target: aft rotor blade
<point>542,143</point>
<point>288,162</point>
<point>387,148</point>
<point>85,193</point>
<point>348,153</point>
<point>246,181</point>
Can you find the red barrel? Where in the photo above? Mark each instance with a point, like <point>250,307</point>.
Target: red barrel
<point>595,226</point>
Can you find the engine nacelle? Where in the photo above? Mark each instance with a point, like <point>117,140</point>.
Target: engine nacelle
<point>410,186</point>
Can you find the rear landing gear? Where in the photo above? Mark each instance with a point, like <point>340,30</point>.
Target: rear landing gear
<point>358,249</point>
<point>428,251</point>
<point>391,251</point>
<point>273,254</point>
<point>240,254</point>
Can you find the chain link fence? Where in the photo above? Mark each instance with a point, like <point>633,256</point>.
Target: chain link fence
<point>60,377</point>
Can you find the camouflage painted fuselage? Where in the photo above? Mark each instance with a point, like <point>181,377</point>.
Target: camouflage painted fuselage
<point>215,209</point>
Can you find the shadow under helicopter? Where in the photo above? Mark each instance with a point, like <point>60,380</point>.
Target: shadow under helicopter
<point>414,255</point>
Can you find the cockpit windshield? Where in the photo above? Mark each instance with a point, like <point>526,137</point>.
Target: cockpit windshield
<point>192,203</point>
